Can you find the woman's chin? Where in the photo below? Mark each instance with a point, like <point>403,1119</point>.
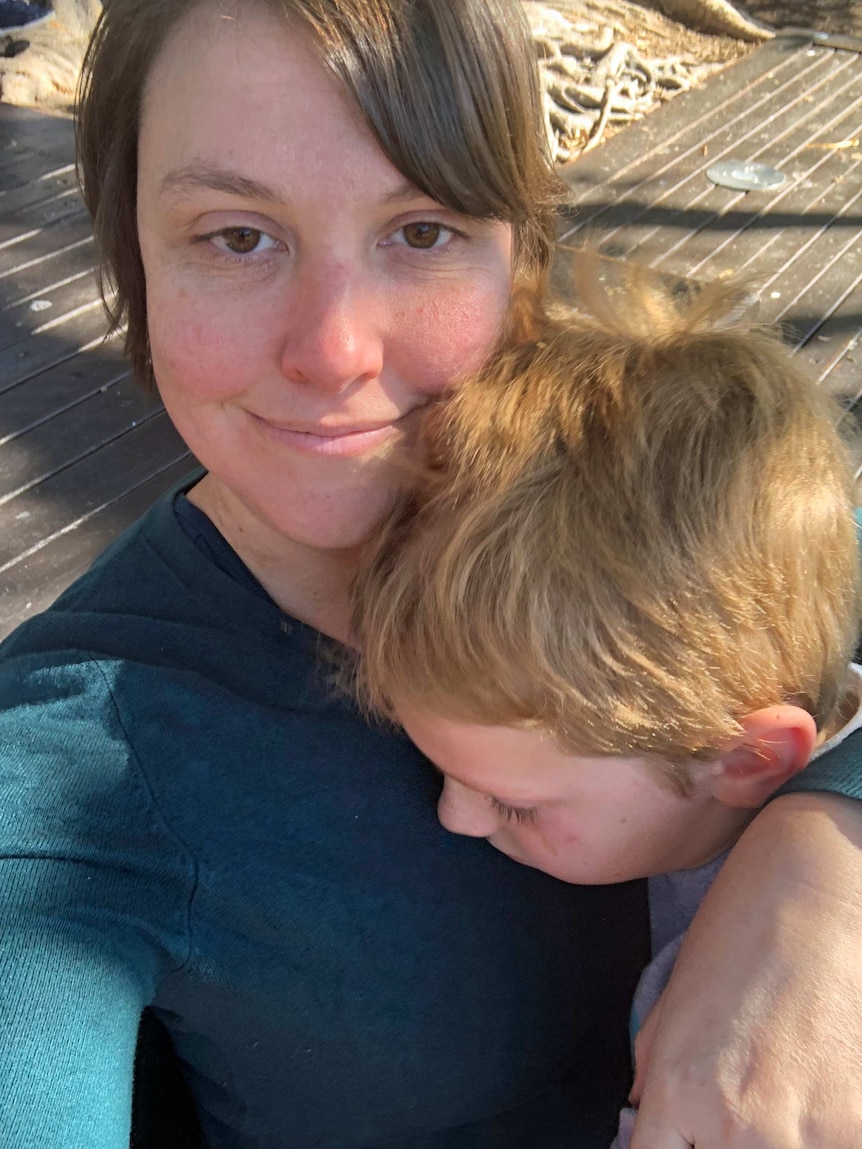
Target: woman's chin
<point>320,513</point>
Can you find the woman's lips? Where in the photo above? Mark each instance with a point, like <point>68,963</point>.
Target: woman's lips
<point>345,442</point>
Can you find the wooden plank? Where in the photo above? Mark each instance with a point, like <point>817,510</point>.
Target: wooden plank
<point>681,198</point>
<point>819,308</point>
<point>763,241</point>
<point>54,342</point>
<point>41,513</point>
<point>21,166</point>
<point>57,301</point>
<point>18,232</point>
<point>645,192</point>
<point>83,451</point>
<point>71,435</point>
<point>32,583</point>
<point>833,351</point>
<point>708,209</point>
<point>29,280</point>
<point>59,182</point>
<point>642,157</point>
<point>40,244</point>
<point>51,392</point>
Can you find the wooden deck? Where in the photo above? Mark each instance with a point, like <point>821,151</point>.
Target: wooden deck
<point>795,104</point>
<point>83,452</point>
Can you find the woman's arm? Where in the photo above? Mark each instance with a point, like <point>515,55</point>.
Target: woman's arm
<point>759,1041</point>
<point>93,909</point>
<point>68,1019</point>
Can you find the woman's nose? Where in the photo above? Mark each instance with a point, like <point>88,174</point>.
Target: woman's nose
<point>332,339</point>
<point>464,811</point>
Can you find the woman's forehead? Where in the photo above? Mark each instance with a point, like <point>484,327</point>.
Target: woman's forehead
<point>247,102</point>
<point>249,55</point>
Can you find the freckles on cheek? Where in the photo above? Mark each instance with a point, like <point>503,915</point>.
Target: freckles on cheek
<point>477,329</point>
<point>453,334</point>
<point>193,354</point>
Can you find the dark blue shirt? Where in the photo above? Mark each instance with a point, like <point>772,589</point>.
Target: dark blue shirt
<point>191,817</point>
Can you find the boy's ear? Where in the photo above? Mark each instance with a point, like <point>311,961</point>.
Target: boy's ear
<point>778,742</point>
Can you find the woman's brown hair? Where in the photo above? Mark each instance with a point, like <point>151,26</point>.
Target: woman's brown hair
<point>449,89</point>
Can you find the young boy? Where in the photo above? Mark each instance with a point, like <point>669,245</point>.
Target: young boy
<point>618,611</point>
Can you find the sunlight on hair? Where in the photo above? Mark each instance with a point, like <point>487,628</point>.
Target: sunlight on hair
<point>633,527</point>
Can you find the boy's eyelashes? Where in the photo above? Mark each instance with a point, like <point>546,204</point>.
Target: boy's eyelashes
<point>519,814</point>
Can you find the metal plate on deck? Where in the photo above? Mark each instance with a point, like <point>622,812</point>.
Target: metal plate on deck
<point>742,175</point>
<point>795,105</point>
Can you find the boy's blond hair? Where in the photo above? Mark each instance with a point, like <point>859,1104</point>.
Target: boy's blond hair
<point>635,527</point>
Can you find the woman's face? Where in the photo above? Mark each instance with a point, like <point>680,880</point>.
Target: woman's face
<point>303,299</point>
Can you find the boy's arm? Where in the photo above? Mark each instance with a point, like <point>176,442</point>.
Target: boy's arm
<point>759,1040</point>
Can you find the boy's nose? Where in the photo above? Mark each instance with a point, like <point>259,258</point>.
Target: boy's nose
<point>464,811</point>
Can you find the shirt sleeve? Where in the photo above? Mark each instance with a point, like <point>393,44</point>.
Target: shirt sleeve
<point>838,771</point>
<point>94,896</point>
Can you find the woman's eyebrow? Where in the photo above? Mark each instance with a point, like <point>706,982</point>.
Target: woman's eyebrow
<point>405,192</point>
<point>193,177</point>
<point>212,177</point>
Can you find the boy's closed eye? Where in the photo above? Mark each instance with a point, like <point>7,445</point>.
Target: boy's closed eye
<point>520,814</point>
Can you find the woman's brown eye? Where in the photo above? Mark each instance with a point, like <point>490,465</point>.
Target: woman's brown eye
<point>241,240</point>
<point>422,234</point>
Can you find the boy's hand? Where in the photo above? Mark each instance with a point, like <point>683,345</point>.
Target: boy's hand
<point>758,1044</point>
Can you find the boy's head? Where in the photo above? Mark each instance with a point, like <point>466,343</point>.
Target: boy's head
<point>593,819</point>
<point>634,550</point>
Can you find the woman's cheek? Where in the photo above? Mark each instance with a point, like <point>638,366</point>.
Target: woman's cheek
<point>451,334</point>
<point>202,355</point>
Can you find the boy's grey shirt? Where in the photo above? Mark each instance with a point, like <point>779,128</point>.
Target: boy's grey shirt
<point>674,899</point>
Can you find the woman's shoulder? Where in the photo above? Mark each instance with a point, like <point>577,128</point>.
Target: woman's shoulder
<point>156,669</point>
<point>85,683</point>
<point>69,769</point>
<point>152,610</point>
<point>82,835</point>
<point>837,766</point>
<point>838,771</point>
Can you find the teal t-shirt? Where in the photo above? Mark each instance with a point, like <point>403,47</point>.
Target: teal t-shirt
<point>190,818</point>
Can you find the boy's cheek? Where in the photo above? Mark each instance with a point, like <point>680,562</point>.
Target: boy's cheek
<point>524,845</point>
<point>503,842</point>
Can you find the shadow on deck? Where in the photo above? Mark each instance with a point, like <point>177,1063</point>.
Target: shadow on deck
<point>83,452</point>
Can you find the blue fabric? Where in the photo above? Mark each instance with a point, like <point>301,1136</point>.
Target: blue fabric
<point>838,772</point>
<point>209,540</point>
<point>190,817</point>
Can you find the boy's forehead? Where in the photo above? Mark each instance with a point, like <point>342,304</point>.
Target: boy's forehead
<point>462,740</point>
<point>519,764</point>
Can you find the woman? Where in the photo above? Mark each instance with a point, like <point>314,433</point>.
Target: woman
<point>314,213</point>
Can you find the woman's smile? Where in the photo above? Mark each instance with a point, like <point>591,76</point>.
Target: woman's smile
<point>345,440</point>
